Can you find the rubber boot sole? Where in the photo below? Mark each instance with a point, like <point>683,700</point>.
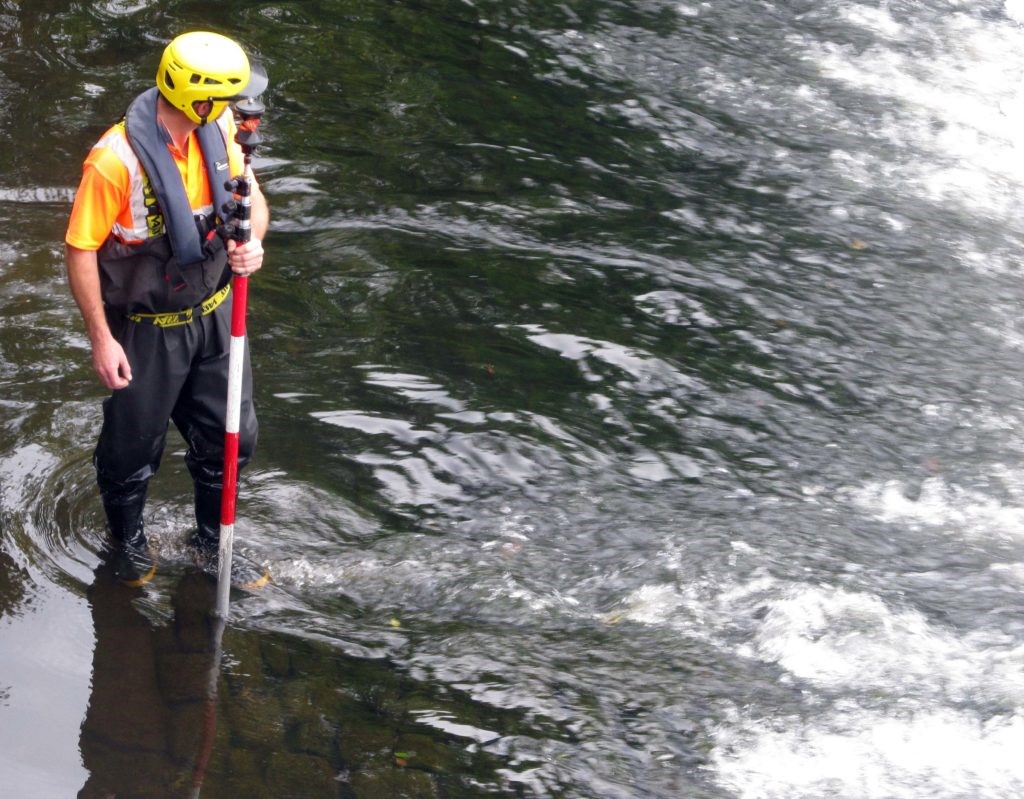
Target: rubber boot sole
<point>134,567</point>
<point>246,574</point>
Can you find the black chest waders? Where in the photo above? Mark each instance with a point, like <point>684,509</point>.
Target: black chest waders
<point>168,302</point>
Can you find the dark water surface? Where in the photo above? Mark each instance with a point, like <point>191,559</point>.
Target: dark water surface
<point>640,388</point>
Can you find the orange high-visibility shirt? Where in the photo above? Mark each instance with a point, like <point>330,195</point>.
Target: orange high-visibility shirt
<point>110,198</point>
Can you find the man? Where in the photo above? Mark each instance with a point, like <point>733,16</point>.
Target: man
<point>150,270</point>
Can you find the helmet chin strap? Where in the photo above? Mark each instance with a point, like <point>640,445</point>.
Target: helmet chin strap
<point>204,118</point>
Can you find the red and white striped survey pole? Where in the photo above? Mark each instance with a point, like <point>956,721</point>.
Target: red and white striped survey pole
<point>229,495</point>
<point>248,137</point>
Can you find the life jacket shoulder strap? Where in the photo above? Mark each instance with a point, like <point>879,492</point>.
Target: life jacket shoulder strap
<point>218,168</point>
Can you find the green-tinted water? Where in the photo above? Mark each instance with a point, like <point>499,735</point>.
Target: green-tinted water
<point>639,393</point>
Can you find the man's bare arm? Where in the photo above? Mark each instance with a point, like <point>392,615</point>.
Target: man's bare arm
<point>108,358</point>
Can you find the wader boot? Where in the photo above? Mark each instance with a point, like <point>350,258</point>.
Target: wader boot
<point>133,563</point>
<point>206,538</point>
<point>205,542</point>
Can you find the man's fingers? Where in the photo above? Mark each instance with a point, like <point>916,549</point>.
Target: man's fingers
<point>247,258</point>
<point>118,377</point>
<point>114,380</point>
<point>111,364</point>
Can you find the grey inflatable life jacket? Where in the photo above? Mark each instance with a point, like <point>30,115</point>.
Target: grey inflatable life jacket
<point>181,267</point>
<point>149,141</point>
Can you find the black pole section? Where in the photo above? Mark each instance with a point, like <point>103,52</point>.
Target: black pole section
<point>239,213</point>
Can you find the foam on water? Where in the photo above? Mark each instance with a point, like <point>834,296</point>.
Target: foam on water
<point>941,504</point>
<point>892,700</point>
<point>906,724</point>
<point>853,752</point>
<point>955,131</point>
<point>837,639</point>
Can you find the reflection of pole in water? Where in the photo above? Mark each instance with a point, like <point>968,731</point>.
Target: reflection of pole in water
<point>209,707</point>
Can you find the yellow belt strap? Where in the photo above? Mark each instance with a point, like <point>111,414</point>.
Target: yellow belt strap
<point>175,318</point>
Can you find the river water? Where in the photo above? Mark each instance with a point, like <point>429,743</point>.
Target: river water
<point>640,400</point>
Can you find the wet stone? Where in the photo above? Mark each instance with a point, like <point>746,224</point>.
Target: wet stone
<point>315,736</point>
<point>293,776</point>
<point>393,783</point>
<point>365,742</point>
<point>422,751</point>
<point>254,720</point>
<point>248,663</point>
<point>297,699</point>
<point>245,774</point>
<point>276,659</point>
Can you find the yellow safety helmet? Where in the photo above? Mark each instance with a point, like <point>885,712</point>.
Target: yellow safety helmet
<point>200,66</point>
